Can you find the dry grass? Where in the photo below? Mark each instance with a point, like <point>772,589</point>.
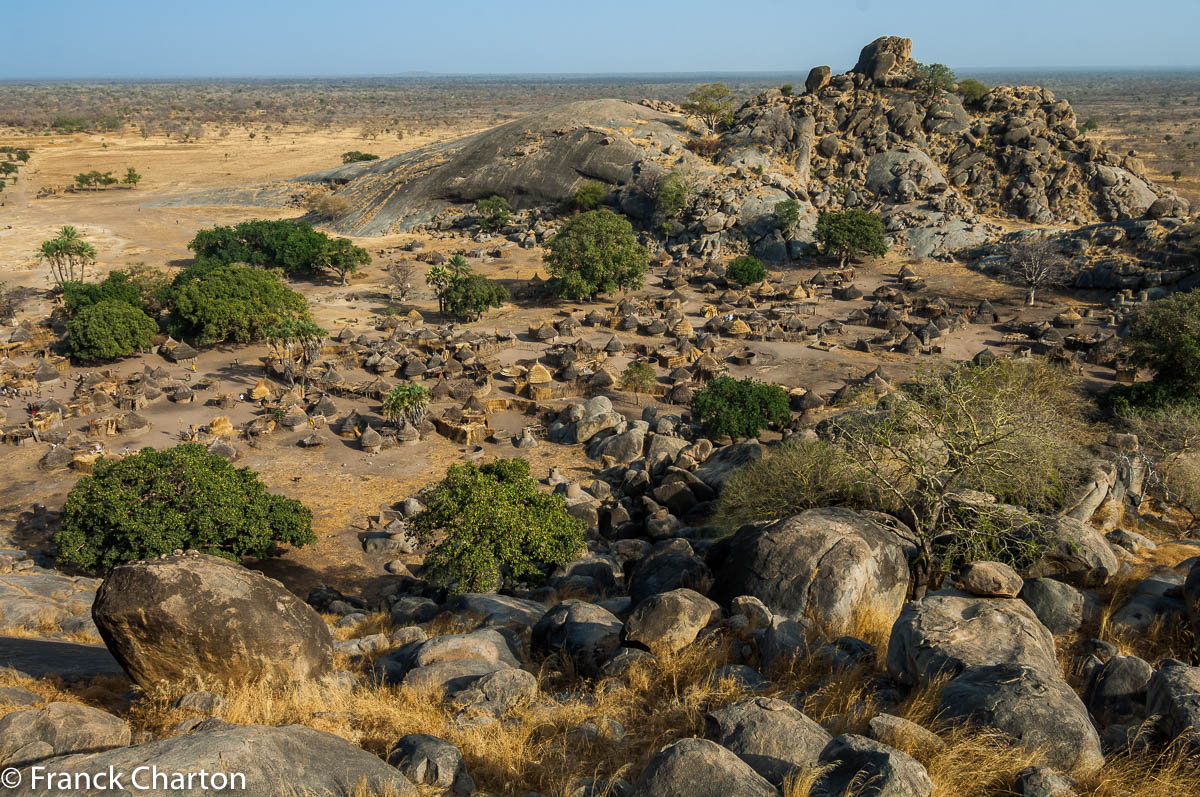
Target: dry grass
<point>48,629</point>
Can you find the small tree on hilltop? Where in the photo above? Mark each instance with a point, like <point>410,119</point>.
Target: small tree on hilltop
<point>595,252</point>
<point>154,502</point>
<point>1035,265</point>
<point>971,90</point>
<point>638,377</point>
<point>407,401</point>
<point>108,330</point>
<point>746,270</point>
<point>851,233</point>
<point>933,80</point>
<point>712,103</point>
<point>494,527</point>
<point>494,212</point>
<point>729,407</point>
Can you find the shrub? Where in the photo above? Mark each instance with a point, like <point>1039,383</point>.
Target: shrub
<point>354,156</point>
<point>109,329</point>
<point>705,146</point>
<point>787,216</point>
<point>933,79</point>
<point>786,89</point>
<point>638,377</point>
<point>116,287</point>
<point>494,527</point>
<point>327,206</point>
<point>407,401</point>
<point>712,103</point>
<point>851,233</point>
<point>672,195</point>
<point>746,270</point>
<point>494,212</point>
<point>290,245</point>
<point>729,407</point>
<point>154,502</point>
<point>472,294</point>
<point>588,195</point>
<point>595,252</point>
<point>971,90</point>
<point>232,302</point>
<point>791,477</point>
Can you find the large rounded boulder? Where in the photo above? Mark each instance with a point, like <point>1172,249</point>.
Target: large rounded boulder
<point>822,564</point>
<point>193,617</point>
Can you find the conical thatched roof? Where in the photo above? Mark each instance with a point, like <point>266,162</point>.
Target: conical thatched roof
<point>602,379</point>
<point>614,346</point>
<point>539,374</point>
<point>738,327</point>
<point>682,329</point>
<point>260,391</point>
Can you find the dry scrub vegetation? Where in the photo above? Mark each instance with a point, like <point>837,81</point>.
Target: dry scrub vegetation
<point>538,746</point>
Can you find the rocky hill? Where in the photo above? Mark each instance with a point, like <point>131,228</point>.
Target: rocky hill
<point>941,171</point>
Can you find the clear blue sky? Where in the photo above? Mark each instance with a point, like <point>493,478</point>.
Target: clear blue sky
<point>217,38</point>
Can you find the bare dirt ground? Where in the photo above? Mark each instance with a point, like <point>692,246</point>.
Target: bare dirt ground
<point>343,486</point>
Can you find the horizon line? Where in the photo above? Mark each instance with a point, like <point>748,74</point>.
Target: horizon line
<point>423,74</point>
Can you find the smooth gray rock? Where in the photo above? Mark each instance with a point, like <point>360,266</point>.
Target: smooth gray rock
<point>772,736</point>
<point>864,767</point>
<point>1173,698</point>
<point>670,621</point>
<point>1116,690</point>
<point>57,729</point>
<point>1063,609</point>
<point>585,633</point>
<point>429,761</point>
<point>700,768</point>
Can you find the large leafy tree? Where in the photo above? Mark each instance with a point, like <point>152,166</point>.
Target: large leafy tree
<point>595,252</point>
<point>1164,336</point>
<point>154,502</point>
<point>494,212</point>
<point>851,233</point>
<point>233,302</point>
<point>473,294</point>
<point>739,408</point>
<point>109,329</point>
<point>494,526</point>
<point>746,270</point>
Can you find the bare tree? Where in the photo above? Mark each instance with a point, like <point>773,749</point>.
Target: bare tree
<point>1035,265</point>
<point>400,278</point>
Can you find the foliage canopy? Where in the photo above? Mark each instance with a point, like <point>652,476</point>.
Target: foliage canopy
<point>595,252</point>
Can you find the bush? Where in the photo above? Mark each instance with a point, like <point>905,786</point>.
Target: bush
<point>672,195</point>
<point>595,252</point>
<point>154,502</point>
<point>109,329</point>
<point>787,216</point>
<point>971,90</point>
<point>290,245</point>
<point>494,212</point>
<point>791,477</point>
<point>729,407</point>
<point>407,401</point>
<point>473,294</point>
<point>354,156</point>
<point>746,270</point>
<point>116,287</point>
<point>327,206</point>
<point>495,527</point>
<point>232,302</point>
<point>588,195</point>
<point>638,377</point>
<point>712,103</point>
<point>933,79</point>
<point>851,233</point>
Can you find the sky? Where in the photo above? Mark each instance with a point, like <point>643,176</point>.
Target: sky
<point>48,39</point>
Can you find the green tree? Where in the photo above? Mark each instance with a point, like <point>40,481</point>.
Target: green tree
<point>787,216</point>
<point>343,257</point>
<point>595,252</point>
<point>971,90</point>
<point>7,169</point>
<point>672,195</point>
<point>1164,336</point>
<point>739,408</point>
<point>746,270</point>
<point>494,212</point>
<point>109,329</point>
<point>406,401</point>
<point>712,103</point>
<point>933,80</point>
<point>472,294</point>
<point>154,502</point>
<point>354,156</point>
<point>495,527</point>
<point>296,340</point>
<point>131,177</point>
<point>118,286</point>
<point>638,377</point>
<point>588,195</point>
<point>851,233</point>
<point>233,302</point>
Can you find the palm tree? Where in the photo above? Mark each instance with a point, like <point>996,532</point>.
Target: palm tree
<point>66,253</point>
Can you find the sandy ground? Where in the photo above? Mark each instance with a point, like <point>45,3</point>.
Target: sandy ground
<point>342,485</point>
